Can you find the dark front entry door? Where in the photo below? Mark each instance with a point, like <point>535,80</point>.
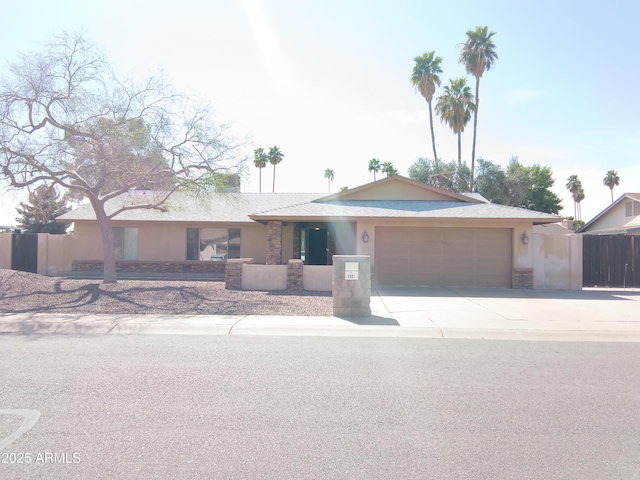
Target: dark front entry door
<point>317,247</point>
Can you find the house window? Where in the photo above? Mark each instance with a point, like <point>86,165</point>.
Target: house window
<point>213,243</point>
<point>636,208</point>
<point>125,242</point>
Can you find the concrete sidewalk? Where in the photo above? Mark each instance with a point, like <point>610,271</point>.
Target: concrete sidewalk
<point>430,312</point>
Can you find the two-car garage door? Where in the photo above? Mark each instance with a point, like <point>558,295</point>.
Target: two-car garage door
<point>443,256</point>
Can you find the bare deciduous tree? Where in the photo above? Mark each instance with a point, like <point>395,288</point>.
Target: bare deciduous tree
<point>67,118</point>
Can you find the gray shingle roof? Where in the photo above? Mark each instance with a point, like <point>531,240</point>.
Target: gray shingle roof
<point>405,209</point>
<point>249,207</point>
<point>182,207</point>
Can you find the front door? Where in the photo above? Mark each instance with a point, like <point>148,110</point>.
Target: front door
<point>317,246</point>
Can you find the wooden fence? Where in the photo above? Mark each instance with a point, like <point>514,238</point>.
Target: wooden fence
<point>611,261</point>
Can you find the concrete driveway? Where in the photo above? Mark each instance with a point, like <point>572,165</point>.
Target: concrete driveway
<point>500,313</point>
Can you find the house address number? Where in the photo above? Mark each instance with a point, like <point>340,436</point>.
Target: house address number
<point>351,270</point>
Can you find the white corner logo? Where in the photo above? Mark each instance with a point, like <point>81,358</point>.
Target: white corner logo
<point>29,419</point>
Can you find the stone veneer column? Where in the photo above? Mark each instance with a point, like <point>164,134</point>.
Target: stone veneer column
<point>351,297</point>
<point>294,274</point>
<point>523,278</point>
<point>233,273</point>
<point>274,243</point>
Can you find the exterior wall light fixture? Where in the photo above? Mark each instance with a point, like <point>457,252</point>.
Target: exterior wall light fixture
<point>525,238</point>
<point>365,237</point>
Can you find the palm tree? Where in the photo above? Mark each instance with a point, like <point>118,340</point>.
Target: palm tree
<point>579,196</point>
<point>611,180</point>
<point>275,157</point>
<point>455,106</point>
<point>478,54</point>
<point>328,174</point>
<point>374,166</point>
<point>424,78</point>
<point>389,169</point>
<point>260,159</point>
<point>574,185</point>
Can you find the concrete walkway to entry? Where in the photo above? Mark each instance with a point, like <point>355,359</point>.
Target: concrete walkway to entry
<point>431,312</point>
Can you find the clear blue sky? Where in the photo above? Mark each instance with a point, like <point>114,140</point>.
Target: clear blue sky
<point>328,80</point>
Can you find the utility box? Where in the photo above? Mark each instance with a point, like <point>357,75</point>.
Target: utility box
<point>351,286</point>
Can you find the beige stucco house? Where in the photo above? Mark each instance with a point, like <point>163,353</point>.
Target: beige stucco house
<point>621,217</point>
<point>414,233</point>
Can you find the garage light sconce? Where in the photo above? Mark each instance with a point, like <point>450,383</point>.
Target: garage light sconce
<point>365,237</point>
<point>525,238</point>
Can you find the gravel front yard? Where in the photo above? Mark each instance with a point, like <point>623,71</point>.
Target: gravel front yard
<point>22,292</point>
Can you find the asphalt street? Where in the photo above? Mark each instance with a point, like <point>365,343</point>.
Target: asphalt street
<point>166,406</point>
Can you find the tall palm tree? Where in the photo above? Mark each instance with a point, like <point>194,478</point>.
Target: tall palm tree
<point>455,106</point>
<point>389,169</point>
<point>424,78</point>
<point>328,174</point>
<point>574,185</point>
<point>260,160</point>
<point>374,166</point>
<point>275,157</point>
<point>579,196</point>
<point>478,55</point>
<point>611,180</point>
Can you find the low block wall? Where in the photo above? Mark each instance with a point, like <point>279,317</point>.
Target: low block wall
<point>317,278</point>
<point>264,277</point>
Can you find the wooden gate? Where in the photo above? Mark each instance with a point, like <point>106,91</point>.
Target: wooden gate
<point>611,261</point>
<point>24,252</point>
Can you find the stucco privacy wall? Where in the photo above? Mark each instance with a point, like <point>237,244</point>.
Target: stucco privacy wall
<point>557,262</point>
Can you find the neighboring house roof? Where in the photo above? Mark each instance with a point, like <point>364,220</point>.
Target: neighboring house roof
<point>392,197</point>
<point>611,231</point>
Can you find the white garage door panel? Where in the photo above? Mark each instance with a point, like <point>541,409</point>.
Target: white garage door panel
<point>443,256</point>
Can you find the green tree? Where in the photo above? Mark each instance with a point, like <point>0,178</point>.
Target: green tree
<point>454,107</point>
<point>478,54</point>
<point>374,166</point>
<point>67,118</point>
<point>275,157</point>
<point>540,194</point>
<point>611,180</point>
<point>389,169</point>
<point>491,182</point>
<point>424,78</point>
<point>260,160</point>
<point>329,175</point>
<point>39,214</point>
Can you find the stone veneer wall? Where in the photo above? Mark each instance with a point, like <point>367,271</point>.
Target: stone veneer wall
<point>523,278</point>
<point>274,243</point>
<point>294,275</point>
<point>233,273</point>
<point>352,298</point>
<point>154,267</point>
